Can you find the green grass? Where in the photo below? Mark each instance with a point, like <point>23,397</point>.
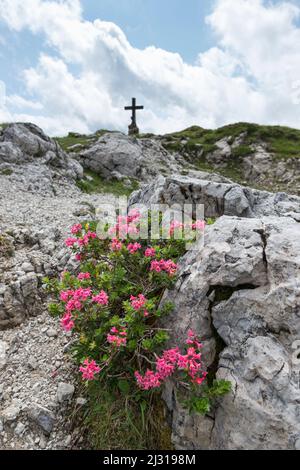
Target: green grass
<point>72,139</point>
<point>6,246</point>
<point>284,142</point>
<point>100,185</point>
<point>6,172</point>
<point>114,421</point>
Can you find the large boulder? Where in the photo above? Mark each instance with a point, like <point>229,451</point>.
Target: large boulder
<point>34,160</point>
<point>116,155</point>
<point>240,291</point>
<point>241,294</point>
<point>219,198</point>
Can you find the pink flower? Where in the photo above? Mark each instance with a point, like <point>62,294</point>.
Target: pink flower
<point>82,276</point>
<point>150,380</point>
<point>67,322</point>
<point>133,247</point>
<point>170,361</point>
<point>76,228</point>
<point>78,257</point>
<point>116,245</point>
<point>150,252</point>
<point>138,302</point>
<point>91,235</point>
<point>164,265</point>
<point>101,298</point>
<point>65,295</point>
<point>118,338</point>
<point>198,225</point>
<point>175,224</point>
<point>89,369</point>
<point>134,215</point>
<point>70,241</point>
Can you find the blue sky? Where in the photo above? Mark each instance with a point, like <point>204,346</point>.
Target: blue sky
<point>167,24</point>
<point>205,62</point>
<point>177,25</point>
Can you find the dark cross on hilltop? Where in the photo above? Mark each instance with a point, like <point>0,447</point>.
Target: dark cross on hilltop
<point>133,128</point>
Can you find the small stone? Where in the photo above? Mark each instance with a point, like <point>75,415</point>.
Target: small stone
<point>12,411</point>
<point>1,425</point>
<point>32,363</point>
<point>27,267</point>
<point>51,332</point>
<point>297,444</point>
<point>81,401</point>
<point>19,429</point>
<point>3,356</point>
<point>65,392</point>
<point>68,440</point>
<point>43,417</point>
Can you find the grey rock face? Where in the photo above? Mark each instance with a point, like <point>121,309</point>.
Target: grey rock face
<point>117,156</point>
<point>219,198</point>
<point>140,159</point>
<point>243,289</point>
<point>34,159</point>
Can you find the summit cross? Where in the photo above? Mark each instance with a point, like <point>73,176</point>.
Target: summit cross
<point>133,128</point>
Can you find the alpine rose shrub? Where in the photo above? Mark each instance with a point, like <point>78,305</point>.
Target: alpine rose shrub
<point>112,305</point>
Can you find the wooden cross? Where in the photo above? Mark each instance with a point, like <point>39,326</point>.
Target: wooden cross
<point>132,128</point>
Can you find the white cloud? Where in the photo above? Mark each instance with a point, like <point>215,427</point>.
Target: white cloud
<point>249,75</point>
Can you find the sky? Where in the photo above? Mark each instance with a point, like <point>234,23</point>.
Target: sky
<point>72,65</point>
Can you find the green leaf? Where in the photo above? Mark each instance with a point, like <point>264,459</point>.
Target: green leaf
<point>124,386</point>
<point>201,405</point>
<point>147,344</point>
<point>219,388</point>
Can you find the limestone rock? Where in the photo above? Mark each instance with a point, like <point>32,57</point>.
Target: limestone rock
<point>36,161</point>
<point>218,198</point>
<point>43,417</point>
<point>65,392</point>
<point>3,356</point>
<point>255,311</point>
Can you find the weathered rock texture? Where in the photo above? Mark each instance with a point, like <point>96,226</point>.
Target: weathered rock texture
<point>219,198</point>
<point>241,294</point>
<point>116,155</point>
<point>243,287</point>
<point>35,160</point>
<point>35,216</point>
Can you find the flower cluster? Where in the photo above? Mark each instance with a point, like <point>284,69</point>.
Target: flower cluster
<point>67,322</point>
<point>133,247</point>
<point>114,302</point>
<point>83,276</point>
<point>117,337</point>
<point>101,298</point>
<point>164,265</point>
<point>138,303</point>
<point>172,360</point>
<point>126,225</point>
<point>116,245</point>
<point>150,252</point>
<point>89,369</point>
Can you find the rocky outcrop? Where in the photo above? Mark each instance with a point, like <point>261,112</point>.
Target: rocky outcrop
<point>218,198</point>
<point>116,155</point>
<point>241,293</point>
<point>35,161</point>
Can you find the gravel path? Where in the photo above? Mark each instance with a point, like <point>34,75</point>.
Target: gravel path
<point>36,376</point>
